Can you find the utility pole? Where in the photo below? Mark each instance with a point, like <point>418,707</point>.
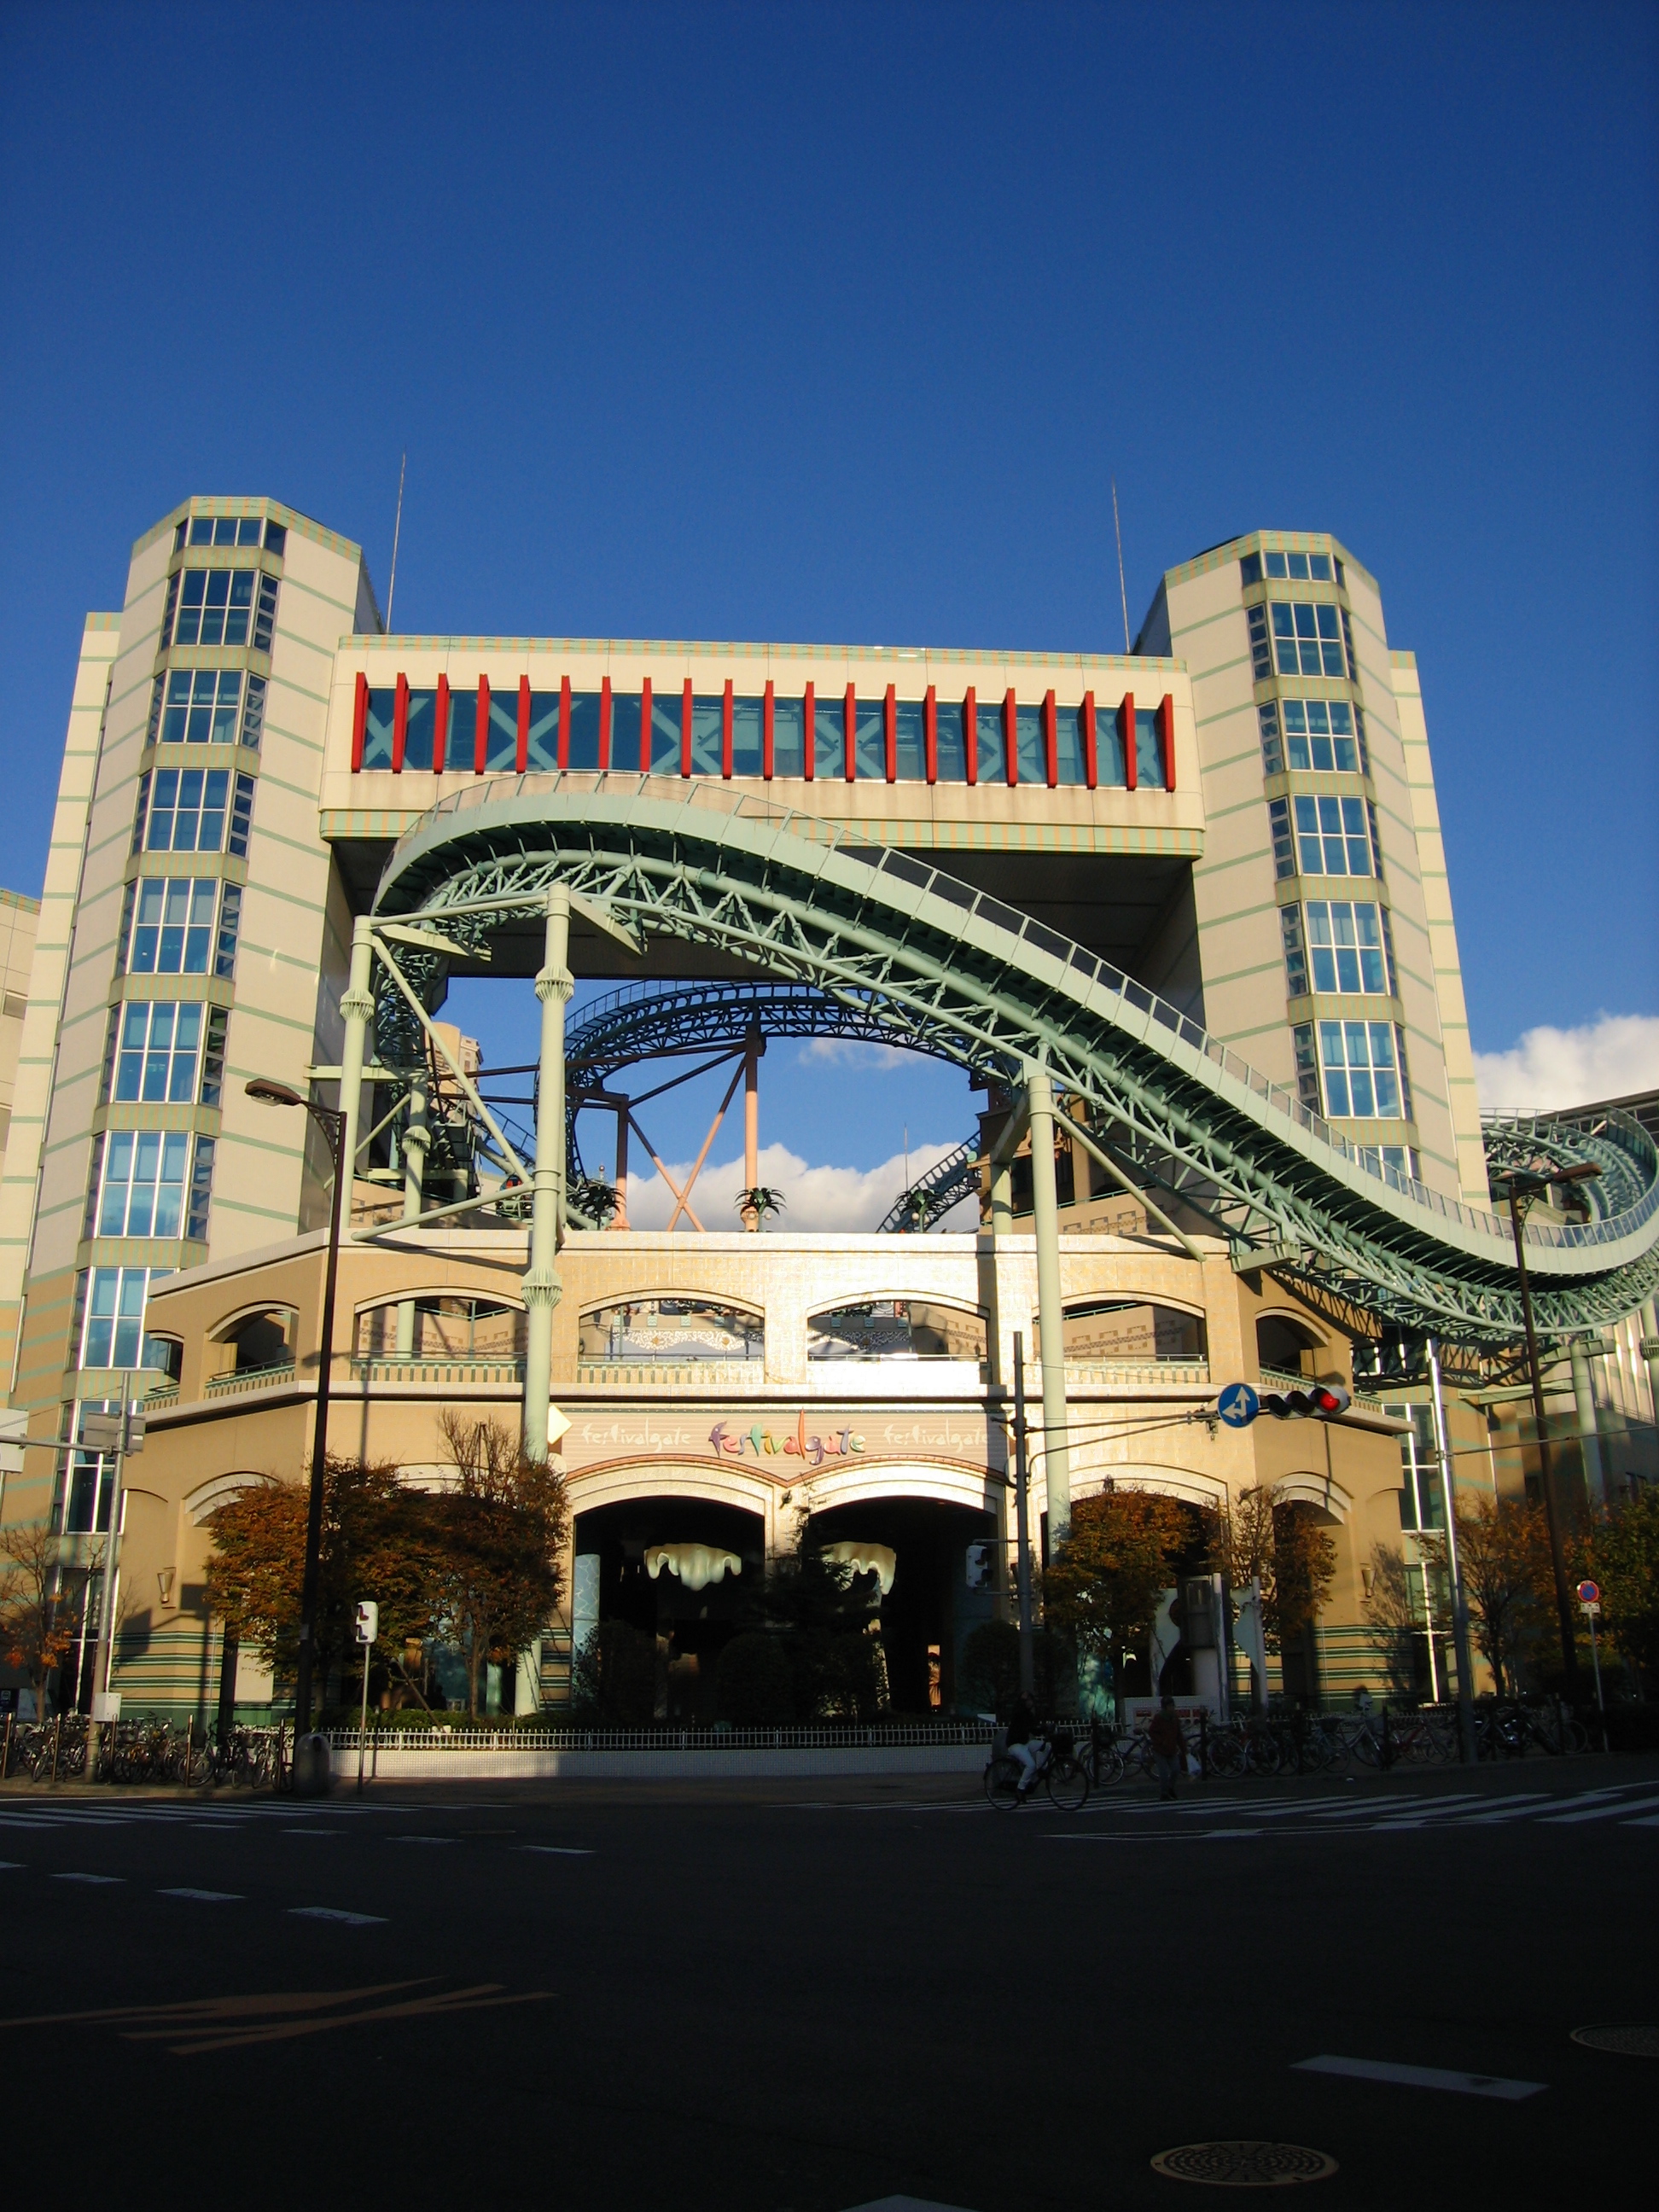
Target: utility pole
<point>1454,1568</point>
<point>1022,1526</point>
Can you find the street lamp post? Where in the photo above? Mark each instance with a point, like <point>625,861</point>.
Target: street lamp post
<point>1526,1183</point>
<point>332,1125</point>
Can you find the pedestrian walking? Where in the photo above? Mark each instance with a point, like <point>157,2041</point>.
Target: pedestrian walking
<point>1169,1746</point>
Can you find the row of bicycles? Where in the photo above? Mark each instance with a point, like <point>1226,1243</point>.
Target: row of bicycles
<point>70,1748</point>
<point>1070,1763</point>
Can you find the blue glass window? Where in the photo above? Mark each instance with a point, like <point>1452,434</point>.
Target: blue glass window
<point>1307,638</point>
<point>1319,734</point>
<point>1300,567</point>
<point>187,809</point>
<point>501,755</point>
<point>1296,956</point>
<point>993,762</point>
<point>1361,1078</point>
<point>828,740</point>
<point>377,729</point>
<point>708,734</point>
<point>143,1192</point>
<point>1278,818</point>
<point>1033,753</point>
<point>1272,751</point>
<point>748,736</point>
<point>1068,738</point>
<point>161,1042</point>
<point>1346,942</point>
<point>584,729</point>
<point>952,744</point>
<point>460,739</point>
<point>666,732</point>
<point>1249,569</point>
<point>1110,774</point>
<point>172,919</point>
<point>202,706</point>
<point>542,752</point>
<point>1261,663</point>
<point>115,1315</point>
<point>625,729</point>
<point>910,716</point>
<point>226,530</point>
<point>788,737</point>
<point>419,728</point>
<point>1332,837</point>
<point>214,606</point>
<point>1149,750</point>
<point>871,724</point>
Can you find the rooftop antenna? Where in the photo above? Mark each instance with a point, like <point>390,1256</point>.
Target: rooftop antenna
<point>1122,591</point>
<point>391,587</point>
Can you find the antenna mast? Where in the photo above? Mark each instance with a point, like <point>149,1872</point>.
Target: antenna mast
<point>391,587</point>
<point>1122,591</point>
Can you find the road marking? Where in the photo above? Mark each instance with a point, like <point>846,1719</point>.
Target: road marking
<point>1602,1812</point>
<point>11,1866</point>
<point>313,1831</point>
<point>1421,2077</point>
<point>557,1850</point>
<point>1652,1822</point>
<point>100,1878</point>
<point>423,1839</point>
<point>333,1912</point>
<point>1523,1806</point>
<point>207,1896</point>
<point>1257,1832</point>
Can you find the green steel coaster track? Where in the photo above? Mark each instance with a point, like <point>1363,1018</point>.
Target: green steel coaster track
<point>922,960</point>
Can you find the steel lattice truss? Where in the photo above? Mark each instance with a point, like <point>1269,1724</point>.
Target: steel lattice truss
<point>933,965</point>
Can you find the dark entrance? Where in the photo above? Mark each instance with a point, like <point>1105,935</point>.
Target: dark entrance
<point>691,1602</point>
<point>922,1614</point>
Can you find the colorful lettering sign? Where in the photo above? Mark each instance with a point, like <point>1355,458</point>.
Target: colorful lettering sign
<point>839,1443</point>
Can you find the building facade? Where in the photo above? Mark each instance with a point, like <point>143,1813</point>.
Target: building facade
<point>1240,815</point>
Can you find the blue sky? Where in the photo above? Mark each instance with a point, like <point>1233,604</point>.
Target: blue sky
<point>837,322</point>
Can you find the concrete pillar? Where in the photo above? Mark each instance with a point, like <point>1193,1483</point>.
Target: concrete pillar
<point>541,1284</point>
<point>1045,1210</point>
<point>358,1008</point>
<point>619,1219</point>
<point>417,1136</point>
<point>1651,1350</point>
<point>1583,1401</point>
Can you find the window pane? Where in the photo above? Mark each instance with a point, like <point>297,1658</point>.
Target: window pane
<point>377,729</point>
<point>1149,750</point>
<point>748,734</point>
<point>992,760</point>
<point>419,729</point>
<point>501,756</point>
<point>584,729</point>
<point>829,742</point>
<point>1109,770</point>
<point>1068,733</point>
<point>666,733</point>
<point>952,747</point>
<point>1033,751</point>
<point>461,741</point>
<point>871,741</point>
<point>708,721</point>
<point>624,729</point>
<point>910,716</point>
<point>788,724</point>
<point>541,752</point>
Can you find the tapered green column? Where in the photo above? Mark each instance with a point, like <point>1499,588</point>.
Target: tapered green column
<point>541,1285</point>
<point>358,1008</point>
<point>417,1136</point>
<point>1051,1320</point>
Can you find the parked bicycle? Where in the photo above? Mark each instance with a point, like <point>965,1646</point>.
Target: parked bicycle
<point>1059,1769</point>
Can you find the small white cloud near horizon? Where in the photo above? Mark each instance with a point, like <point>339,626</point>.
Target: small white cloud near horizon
<point>1608,1057</point>
<point>854,1052</point>
<point>815,1199</point>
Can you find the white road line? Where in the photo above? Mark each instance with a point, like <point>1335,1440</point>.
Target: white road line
<point>11,1866</point>
<point>1421,2077</point>
<point>333,1912</point>
<point>1290,1812</point>
<point>99,1877</point>
<point>423,1839</point>
<point>1523,1806</point>
<point>1602,1812</point>
<point>558,1850</point>
<point>207,1896</point>
<point>313,1831</point>
<point>1652,1822</point>
<point>1257,1832</point>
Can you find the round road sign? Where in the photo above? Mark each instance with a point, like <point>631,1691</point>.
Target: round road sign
<point>1239,1406</point>
<point>1589,1592</point>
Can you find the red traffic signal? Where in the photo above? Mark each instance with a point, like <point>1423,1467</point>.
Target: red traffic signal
<point>1324,1401</point>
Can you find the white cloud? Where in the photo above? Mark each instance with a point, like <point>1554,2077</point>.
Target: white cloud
<point>1607,1058</point>
<point>816,1199</point>
<point>852,1051</point>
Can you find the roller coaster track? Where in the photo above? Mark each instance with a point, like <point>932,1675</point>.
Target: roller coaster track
<point>943,968</point>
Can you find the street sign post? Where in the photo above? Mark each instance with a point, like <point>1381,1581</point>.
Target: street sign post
<point>1589,1598</point>
<point>1237,1405</point>
<point>368,1629</point>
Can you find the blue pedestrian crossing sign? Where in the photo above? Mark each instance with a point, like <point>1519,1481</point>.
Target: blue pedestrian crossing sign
<point>1239,1406</point>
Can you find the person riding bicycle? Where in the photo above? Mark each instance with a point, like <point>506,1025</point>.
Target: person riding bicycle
<point>1022,1727</point>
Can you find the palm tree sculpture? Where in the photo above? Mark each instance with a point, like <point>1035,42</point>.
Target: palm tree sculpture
<point>598,1200</point>
<point>754,1205</point>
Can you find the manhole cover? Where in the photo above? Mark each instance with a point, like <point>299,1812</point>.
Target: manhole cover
<point>1244,2165</point>
<point>1637,2042</point>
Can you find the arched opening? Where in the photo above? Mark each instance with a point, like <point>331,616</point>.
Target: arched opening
<point>1131,1332</point>
<point>681,1577</point>
<point>1284,1346</point>
<point>930,1579</point>
<point>454,1326</point>
<point>670,1330</point>
<point>897,1328</point>
<point>257,1342</point>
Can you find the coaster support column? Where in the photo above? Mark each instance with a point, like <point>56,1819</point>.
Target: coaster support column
<point>541,1284</point>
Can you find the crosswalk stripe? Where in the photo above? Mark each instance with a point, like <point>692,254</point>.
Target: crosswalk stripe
<point>1421,2078</point>
<point>1602,1812</point>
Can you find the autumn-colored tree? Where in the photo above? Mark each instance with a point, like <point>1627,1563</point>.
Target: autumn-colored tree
<point>378,1541</point>
<point>1504,1557</point>
<point>1102,1589</point>
<point>1394,1606</point>
<point>1622,1554</point>
<point>501,1536</point>
<point>36,1628</point>
<point>1259,1536</point>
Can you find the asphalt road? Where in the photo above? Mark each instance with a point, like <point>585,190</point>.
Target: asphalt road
<point>777,1997</point>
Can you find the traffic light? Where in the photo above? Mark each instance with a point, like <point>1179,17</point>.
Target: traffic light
<point>1322,1402</point>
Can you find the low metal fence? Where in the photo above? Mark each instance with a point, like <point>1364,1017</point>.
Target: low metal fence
<point>835,1735</point>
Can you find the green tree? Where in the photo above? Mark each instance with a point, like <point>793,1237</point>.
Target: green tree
<point>1102,1589</point>
<point>1623,1556</point>
<point>837,1670</point>
<point>500,1544</point>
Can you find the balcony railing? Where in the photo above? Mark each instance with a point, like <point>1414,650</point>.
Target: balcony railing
<point>248,1378</point>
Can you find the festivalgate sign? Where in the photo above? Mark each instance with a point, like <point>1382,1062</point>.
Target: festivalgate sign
<point>836,1444</point>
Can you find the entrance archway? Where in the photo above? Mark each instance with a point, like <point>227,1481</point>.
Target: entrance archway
<point>939,1585</point>
<point>685,1572</point>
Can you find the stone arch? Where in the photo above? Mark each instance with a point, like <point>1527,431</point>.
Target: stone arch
<point>219,1489</point>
